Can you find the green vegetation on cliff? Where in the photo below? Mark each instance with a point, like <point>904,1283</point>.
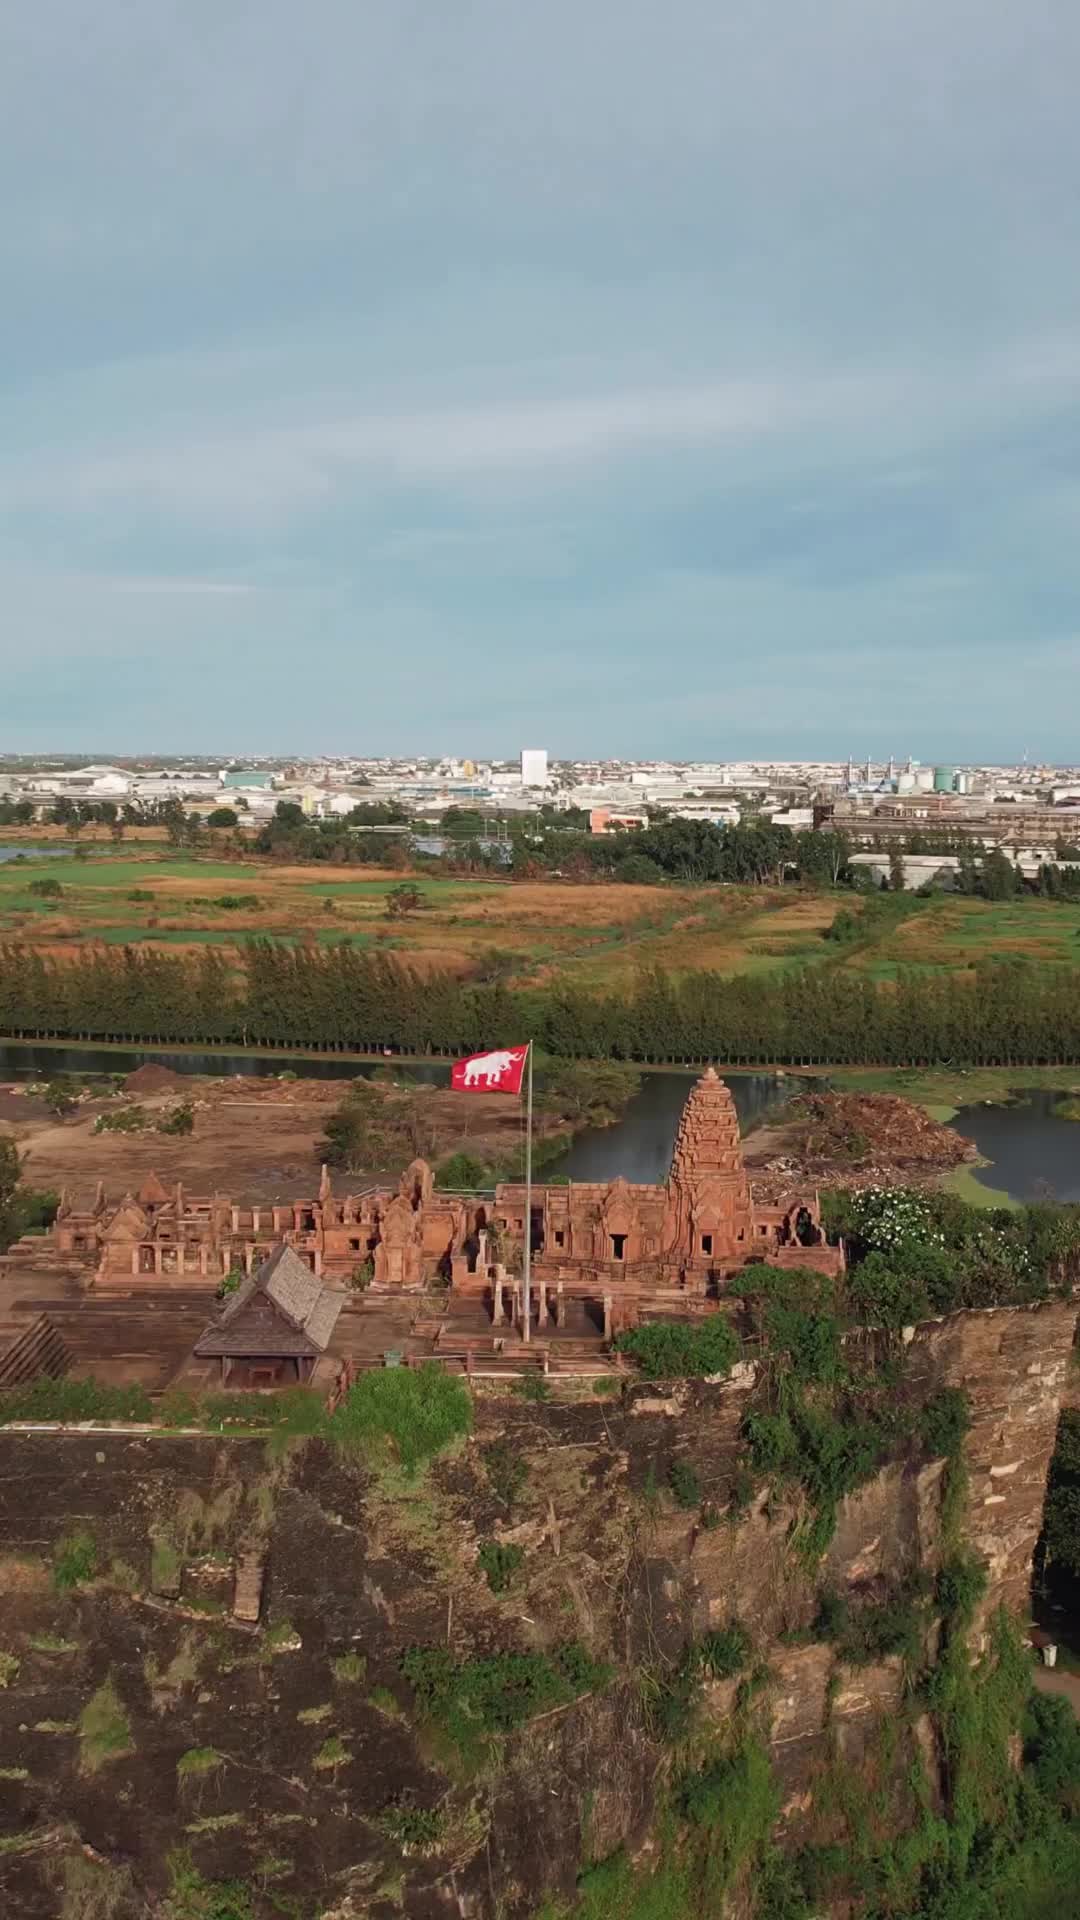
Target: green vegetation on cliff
<point>472,1701</point>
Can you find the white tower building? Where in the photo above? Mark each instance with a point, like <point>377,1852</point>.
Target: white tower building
<point>534,767</point>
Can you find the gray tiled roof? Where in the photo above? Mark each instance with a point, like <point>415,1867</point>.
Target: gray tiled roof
<point>282,1308</point>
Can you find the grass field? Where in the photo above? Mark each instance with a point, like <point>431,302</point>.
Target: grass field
<point>599,935</point>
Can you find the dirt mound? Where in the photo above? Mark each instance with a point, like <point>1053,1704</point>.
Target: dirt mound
<point>858,1140</point>
<point>856,1127</point>
<point>150,1078</point>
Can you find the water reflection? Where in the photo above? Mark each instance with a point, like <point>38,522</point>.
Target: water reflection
<point>639,1146</point>
<point>1035,1155</point>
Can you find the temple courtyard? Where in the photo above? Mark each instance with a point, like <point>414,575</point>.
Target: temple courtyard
<point>169,1288</point>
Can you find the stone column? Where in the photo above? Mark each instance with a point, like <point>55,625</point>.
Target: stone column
<point>157,1259</point>
<point>560,1305</point>
<point>235,1219</point>
<point>607,1316</point>
<point>135,1259</point>
<point>497,1305</point>
<point>203,1259</point>
<point>541,1303</point>
<point>255,1220</point>
<point>481,1251</point>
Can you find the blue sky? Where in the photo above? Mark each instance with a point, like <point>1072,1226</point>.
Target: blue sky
<point>689,379</point>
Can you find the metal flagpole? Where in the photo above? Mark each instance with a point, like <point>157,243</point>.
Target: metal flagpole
<point>526,1269</point>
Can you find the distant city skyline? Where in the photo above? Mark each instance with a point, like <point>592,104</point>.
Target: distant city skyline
<point>680,381</point>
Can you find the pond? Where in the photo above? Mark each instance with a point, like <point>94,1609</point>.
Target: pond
<point>638,1146</point>
<point>34,853</point>
<point>1034,1153</point>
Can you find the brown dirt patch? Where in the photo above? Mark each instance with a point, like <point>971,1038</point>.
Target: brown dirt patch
<point>22,1576</point>
<point>255,1139</point>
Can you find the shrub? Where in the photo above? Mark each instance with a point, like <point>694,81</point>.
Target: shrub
<point>415,1829</point>
<point>75,1560</point>
<point>944,1423</point>
<point>876,1629</point>
<point>829,1452</point>
<point>350,1668</point>
<point>532,1386</point>
<point>832,1617</point>
<point>498,1693</point>
<point>960,1586</point>
<point>684,1485</point>
<point>771,1440</point>
<point>198,1761</point>
<point>638,870</point>
<point>811,1342</point>
<point>331,1755</point>
<point>506,1471</point>
<point>737,1800</point>
<point>180,1121</point>
<point>682,1350</point>
<point>402,1413</point>
<point>9,1669</point>
<point>722,1653</point>
<point>500,1563</point>
<point>464,1172</point>
<point>894,1289</point>
<point>122,1120</point>
<point>104,1728</point>
<point>59,1099</point>
<point>46,889</point>
<point>193,1898</point>
<point>1052,1745</point>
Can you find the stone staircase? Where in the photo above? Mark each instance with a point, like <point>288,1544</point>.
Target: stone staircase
<point>29,1349</point>
<point>247,1592</point>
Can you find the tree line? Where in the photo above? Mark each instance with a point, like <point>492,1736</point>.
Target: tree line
<point>343,999</point>
<point>558,845</point>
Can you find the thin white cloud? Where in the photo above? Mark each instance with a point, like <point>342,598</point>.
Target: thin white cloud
<point>158,584</point>
<point>255,469</point>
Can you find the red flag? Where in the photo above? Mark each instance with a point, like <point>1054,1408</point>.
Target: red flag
<point>500,1071</point>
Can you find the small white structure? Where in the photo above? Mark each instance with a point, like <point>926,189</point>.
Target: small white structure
<point>534,767</point>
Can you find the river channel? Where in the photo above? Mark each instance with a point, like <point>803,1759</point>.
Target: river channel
<point>1032,1152</point>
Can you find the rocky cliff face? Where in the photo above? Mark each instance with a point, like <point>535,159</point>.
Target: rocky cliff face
<point>310,1757</point>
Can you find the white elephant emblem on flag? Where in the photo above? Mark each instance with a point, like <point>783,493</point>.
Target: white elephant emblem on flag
<point>499,1071</point>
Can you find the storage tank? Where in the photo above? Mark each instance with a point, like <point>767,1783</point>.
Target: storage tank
<point>905,783</point>
<point>944,779</point>
<point>924,780</point>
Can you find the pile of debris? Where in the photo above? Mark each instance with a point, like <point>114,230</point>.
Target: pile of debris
<point>152,1078</point>
<point>860,1140</point>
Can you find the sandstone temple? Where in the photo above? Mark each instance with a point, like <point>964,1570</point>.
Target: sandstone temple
<point>603,1255</point>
